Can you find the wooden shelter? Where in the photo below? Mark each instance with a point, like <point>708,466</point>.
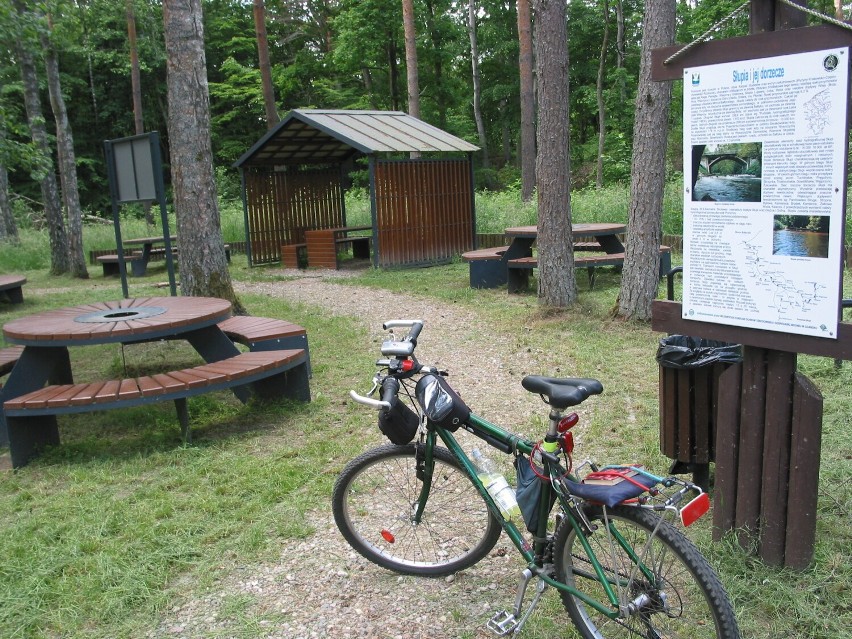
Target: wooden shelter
<point>294,177</point>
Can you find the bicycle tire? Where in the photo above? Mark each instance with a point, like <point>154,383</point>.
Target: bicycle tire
<point>373,501</point>
<point>692,602</point>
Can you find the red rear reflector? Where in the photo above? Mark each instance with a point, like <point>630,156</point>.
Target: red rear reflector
<point>407,365</point>
<point>693,511</point>
<point>388,536</point>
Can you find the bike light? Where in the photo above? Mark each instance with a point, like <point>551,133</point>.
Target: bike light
<point>387,535</point>
<point>567,423</point>
<point>568,442</point>
<point>407,365</point>
<point>693,511</point>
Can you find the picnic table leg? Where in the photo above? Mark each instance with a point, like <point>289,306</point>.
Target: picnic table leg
<point>35,367</point>
<point>610,243</point>
<point>213,345</point>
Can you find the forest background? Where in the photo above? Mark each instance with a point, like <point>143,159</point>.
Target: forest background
<point>343,54</point>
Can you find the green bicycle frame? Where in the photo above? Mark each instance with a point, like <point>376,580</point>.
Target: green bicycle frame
<point>486,430</point>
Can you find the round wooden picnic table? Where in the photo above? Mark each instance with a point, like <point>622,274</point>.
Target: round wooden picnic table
<point>46,336</point>
<point>127,320</point>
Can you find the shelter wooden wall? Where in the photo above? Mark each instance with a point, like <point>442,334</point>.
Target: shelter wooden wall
<point>280,206</point>
<point>424,211</point>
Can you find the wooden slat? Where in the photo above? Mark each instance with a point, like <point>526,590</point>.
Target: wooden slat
<point>752,423</point>
<point>727,446</point>
<point>780,368</point>
<point>804,473</point>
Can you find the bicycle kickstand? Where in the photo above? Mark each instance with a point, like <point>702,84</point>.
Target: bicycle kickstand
<point>505,622</point>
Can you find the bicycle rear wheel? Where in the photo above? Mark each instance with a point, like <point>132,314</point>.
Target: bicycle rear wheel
<point>686,600</point>
<point>374,501</point>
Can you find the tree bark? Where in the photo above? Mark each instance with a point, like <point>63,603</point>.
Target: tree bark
<point>59,262</point>
<point>265,66</point>
<point>525,62</point>
<point>203,267</point>
<point>8,227</point>
<point>599,93</point>
<point>557,285</point>
<point>411,58</point>
<point>67,162</point>
<point>136,89</point>
<point>640,278</point>
<point>477,81</point>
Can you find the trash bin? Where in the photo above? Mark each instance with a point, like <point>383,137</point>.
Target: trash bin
<point>689,376</point>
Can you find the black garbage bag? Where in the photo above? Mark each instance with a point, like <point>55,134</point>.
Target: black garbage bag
<point>684,352</point>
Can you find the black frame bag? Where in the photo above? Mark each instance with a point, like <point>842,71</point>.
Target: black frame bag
<point>399,423</point>
<point>442,405</point>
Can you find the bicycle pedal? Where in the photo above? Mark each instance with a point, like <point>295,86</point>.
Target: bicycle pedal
<point>502,623</point>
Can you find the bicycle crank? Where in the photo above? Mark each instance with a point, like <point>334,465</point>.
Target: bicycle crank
<point>504,622</point>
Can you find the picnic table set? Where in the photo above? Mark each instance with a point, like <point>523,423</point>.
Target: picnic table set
<point>42,384</point>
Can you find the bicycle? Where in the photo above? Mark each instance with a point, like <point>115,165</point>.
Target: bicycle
<point>620,566</point>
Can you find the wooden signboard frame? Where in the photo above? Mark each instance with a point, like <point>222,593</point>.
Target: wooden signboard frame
<point>769,424</point>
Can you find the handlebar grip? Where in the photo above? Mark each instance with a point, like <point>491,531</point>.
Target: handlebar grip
<point>390,389</point>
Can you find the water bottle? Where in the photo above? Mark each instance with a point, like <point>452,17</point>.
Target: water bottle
<point>497,486</point>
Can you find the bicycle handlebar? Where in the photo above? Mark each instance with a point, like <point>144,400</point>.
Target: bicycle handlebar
<point>369,401</point>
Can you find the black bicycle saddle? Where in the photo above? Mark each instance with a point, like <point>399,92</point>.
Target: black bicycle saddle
<point>562,392</point>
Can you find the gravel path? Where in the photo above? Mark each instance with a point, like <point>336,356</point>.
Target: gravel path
<point>319,587</point>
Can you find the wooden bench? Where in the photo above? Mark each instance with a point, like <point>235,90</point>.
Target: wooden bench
<point>161,252</point>
<point>294,255</point>
<point>487,266</point>
<point>111,266</point>
<point>31,418</point>
<point>266,334</point>
<point>9,357</point>
<point>11,287</point>
<point>519,268</point>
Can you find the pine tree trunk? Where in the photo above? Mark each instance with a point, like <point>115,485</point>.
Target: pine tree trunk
<point>8,227</point>
<point>411,58</point>
<point>67,164</point>
<point>265,66</point>
<point>600,97</point>
<point>557,285</point>
<point>525,62</point>
<point>640,278</point>
<point>59,262</point>
<point>136,89</point>
<point>203,268</point>
<point>477,81</point>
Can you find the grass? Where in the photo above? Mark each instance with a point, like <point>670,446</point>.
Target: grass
<point>123,521</point>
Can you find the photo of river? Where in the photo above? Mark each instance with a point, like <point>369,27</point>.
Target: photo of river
<point>727,172</point>
<point>800,236</point>
<point>728,188</point>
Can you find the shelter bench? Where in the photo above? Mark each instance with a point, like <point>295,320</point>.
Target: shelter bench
<point>31,418</point>
<point>294,255</point>
<point>487,266</point>
<point>322,245</point>
<point>519,268</point>
<point>266,334</point>
<point>11,286</point>
<point>111,267</point>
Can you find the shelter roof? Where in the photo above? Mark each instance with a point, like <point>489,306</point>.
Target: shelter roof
<point>319,136</point>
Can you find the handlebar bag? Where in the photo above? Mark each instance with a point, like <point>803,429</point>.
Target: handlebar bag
<point>399,423</point>
<point>441,404</point>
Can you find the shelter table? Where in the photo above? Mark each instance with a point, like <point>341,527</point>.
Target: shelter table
<point>322,245</point>
<point>47,336</point>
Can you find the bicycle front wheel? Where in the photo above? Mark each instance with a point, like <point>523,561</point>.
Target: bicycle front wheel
<point>683,598</point>
<point>375,500</point>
